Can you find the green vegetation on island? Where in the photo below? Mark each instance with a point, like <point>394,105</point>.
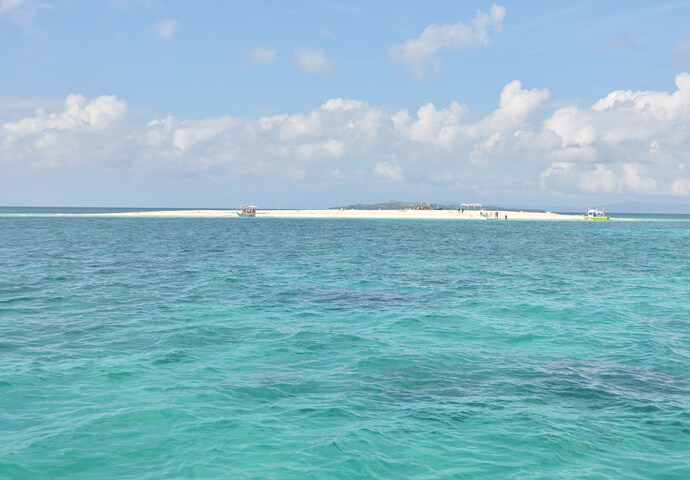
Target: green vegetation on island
<point>398,205</point>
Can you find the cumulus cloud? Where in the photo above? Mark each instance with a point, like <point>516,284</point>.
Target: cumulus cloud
<point>262,55</point>
<point>83,131</point>
<point>449,129</point>
<point>623,116</point>
<point>418,53</point>
<point>312,61</point>
<point>335,104</point>
<point>78,114</point>
<point>167,29</point>
<point>626,143</point>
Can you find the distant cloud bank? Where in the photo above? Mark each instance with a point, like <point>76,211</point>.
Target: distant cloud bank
<point>634,142</point>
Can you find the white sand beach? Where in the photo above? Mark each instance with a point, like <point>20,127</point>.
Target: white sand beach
<point>343,213</point>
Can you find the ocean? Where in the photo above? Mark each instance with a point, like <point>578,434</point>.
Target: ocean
<point>227,348</point>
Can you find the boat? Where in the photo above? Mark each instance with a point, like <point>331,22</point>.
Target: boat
<point>469,206</point>
<point>247,211</point>
<point>596,214</point>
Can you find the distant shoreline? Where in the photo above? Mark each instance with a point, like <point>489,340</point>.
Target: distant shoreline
<point>343,213</point>
<point>214,212</point>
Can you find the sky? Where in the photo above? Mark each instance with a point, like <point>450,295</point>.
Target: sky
<point>309,104</point>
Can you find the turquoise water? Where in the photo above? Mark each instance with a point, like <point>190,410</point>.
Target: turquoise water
<point>143,348</point>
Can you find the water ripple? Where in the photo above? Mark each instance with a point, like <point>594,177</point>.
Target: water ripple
<point>209,348</point>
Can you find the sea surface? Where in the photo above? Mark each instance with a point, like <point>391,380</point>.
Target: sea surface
<point>228,348</point>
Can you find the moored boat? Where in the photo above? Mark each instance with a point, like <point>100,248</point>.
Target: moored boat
<point>596,214</point>
<point>247,211</point>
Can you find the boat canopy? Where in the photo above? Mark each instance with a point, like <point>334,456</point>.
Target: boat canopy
<point>251,209</point>
<point>470,206</point>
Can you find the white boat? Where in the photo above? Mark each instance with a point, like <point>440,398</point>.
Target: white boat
<point>596,214</point>
<point>247,211</point>
<point>469,206</point>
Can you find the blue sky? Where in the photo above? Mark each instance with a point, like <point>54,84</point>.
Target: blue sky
<point>181,104</point>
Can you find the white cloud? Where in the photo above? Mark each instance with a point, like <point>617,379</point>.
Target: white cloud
<point>636,141</point>
<point>319,150</point>
<point>618,178</point>
<point>418,53</point>
<point>344,105</point>
<point>167,29</point>
<point>192,132</point>
<point>627,143</point>
<point>680,187</point>
<point>449,129</point>
<point>572,178</point>
<point>84,131</point>
<point>517,106</point>
<point>390,172</point>
<point>78,114</point>
<point>624,116</point>
<point>7,5</point>
<point>262,55</point>
<point>312,61</point>
<point>431,124</point>
<point>18,107</point>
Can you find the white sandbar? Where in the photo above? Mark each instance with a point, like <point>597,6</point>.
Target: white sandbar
<point>336,213</point>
